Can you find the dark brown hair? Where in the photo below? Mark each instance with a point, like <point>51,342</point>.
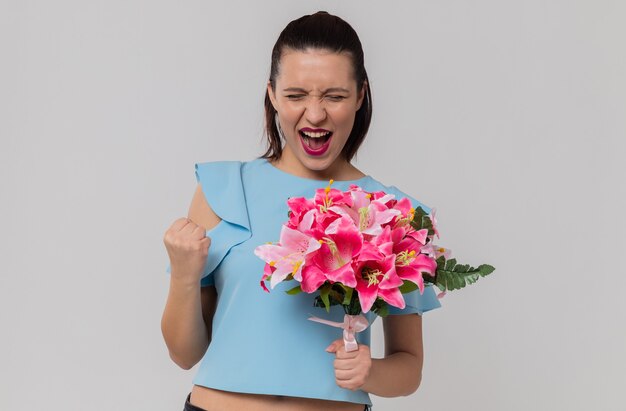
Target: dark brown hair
<point>320,31</point>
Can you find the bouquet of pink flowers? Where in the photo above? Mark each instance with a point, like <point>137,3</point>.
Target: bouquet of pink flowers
<point>362,251</point>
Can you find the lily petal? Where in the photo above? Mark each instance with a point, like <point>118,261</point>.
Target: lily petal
<point>393,297</point>
<point>312,278</point>
<point>343,275</point>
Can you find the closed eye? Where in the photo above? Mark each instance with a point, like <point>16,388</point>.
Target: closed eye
<point>335,98</point>
<point>295,96</point>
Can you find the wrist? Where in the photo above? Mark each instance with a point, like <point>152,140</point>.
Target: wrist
<point>369,384</point>
<point>184,283</point>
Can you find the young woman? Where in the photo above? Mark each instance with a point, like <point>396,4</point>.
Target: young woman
<point>258,351</point>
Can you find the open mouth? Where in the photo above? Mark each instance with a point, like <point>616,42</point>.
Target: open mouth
<point>315,140</point>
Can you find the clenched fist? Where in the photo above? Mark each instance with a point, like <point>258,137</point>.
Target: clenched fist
<point>351,368</point>
<point>187,246</point>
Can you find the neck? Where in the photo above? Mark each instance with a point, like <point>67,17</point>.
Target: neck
<point>341,169</point>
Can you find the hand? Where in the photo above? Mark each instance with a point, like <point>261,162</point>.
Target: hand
<point>351,368</point>
<point>188,247</point>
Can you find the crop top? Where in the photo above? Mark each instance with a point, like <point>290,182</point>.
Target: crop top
<point>263,343</point>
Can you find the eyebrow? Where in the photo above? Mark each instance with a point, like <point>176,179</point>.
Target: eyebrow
<point>328,90</point>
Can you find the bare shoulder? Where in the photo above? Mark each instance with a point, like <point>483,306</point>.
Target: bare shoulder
<point>200,212</point>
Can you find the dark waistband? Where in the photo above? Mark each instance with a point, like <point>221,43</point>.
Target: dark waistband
<point>190,407</point>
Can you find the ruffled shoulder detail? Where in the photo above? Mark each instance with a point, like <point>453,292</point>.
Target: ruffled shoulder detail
<point>222,185</point>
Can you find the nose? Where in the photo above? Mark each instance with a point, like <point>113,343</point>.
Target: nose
<point>315,112</point>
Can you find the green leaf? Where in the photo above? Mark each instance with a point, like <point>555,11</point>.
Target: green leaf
<point>348,296</point>
<point>485,269</point>
<point>461,268</point>
<point>335,294</point>
<point>421,221</point>
<point>354,305</point>
<point>317,302</point>
<point>455,277</point>
<point>383,311</point>
<point>407,287</point>
<point>450,264</point>
<point>418,218</point>
<point>295,290</point>
<point>324,291</point>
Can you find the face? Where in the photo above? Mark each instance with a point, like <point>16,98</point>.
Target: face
<point>316,98</point>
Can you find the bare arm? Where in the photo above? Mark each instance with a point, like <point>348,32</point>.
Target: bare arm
<point>399,373</point>
<point>188,314</point>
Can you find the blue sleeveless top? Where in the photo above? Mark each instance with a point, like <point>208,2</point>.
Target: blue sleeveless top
<point>263,343</point>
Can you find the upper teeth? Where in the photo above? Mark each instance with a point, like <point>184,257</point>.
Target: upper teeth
<point>315,135</point>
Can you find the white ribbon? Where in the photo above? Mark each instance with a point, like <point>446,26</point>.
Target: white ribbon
<point>351,325</point>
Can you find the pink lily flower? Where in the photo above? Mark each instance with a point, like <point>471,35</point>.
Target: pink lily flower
<point>382,245</point>
<point>268,270</point>
<point>328,197</point>
<point>298,207</point>
<point>402,232</point>
<point>434,221</point>
<point>420,236</point>
<point>288,256</point>
<point>411,264</point>
<point>341,243</point>
<point>324,220</point>
<point>373,217</point>
<point>435,251</point>
<point>376,195</point>
<point>404,205</point>
<point>368,215</point>
<point>378,279</point>
<point>306,224</point>
<point>406,212</point>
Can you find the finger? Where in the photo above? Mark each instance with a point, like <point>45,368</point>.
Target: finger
<point>344,375</point>
<point>190,228</point>
<point>179,224</point>
<point>363,349</point>
<point>340,364</point>
<point>347,384</point>
<point>334,346</point>
<point>345,355</point>
<point>198,233</point>
<point>205,243</point>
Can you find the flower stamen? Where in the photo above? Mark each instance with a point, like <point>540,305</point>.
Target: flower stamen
<point>296,267</point>
<point>363,218</point>
<point>404,258</point>
<point>327,201</point>
<point>371,275</point>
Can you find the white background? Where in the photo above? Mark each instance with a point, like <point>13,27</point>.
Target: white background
<point>508,117</point>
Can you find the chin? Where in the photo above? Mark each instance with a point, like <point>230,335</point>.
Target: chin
<point>318,164</point>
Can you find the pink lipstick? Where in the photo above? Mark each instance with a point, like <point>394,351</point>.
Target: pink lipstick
<point>315,141</point>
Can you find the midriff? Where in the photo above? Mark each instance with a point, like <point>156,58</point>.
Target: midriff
<point>216,400</point>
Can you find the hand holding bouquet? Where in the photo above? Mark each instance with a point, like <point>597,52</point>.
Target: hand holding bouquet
<point>362,251</point>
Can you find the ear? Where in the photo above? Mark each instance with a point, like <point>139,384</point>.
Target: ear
<point>361,96</point>
<point>270,93</point>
